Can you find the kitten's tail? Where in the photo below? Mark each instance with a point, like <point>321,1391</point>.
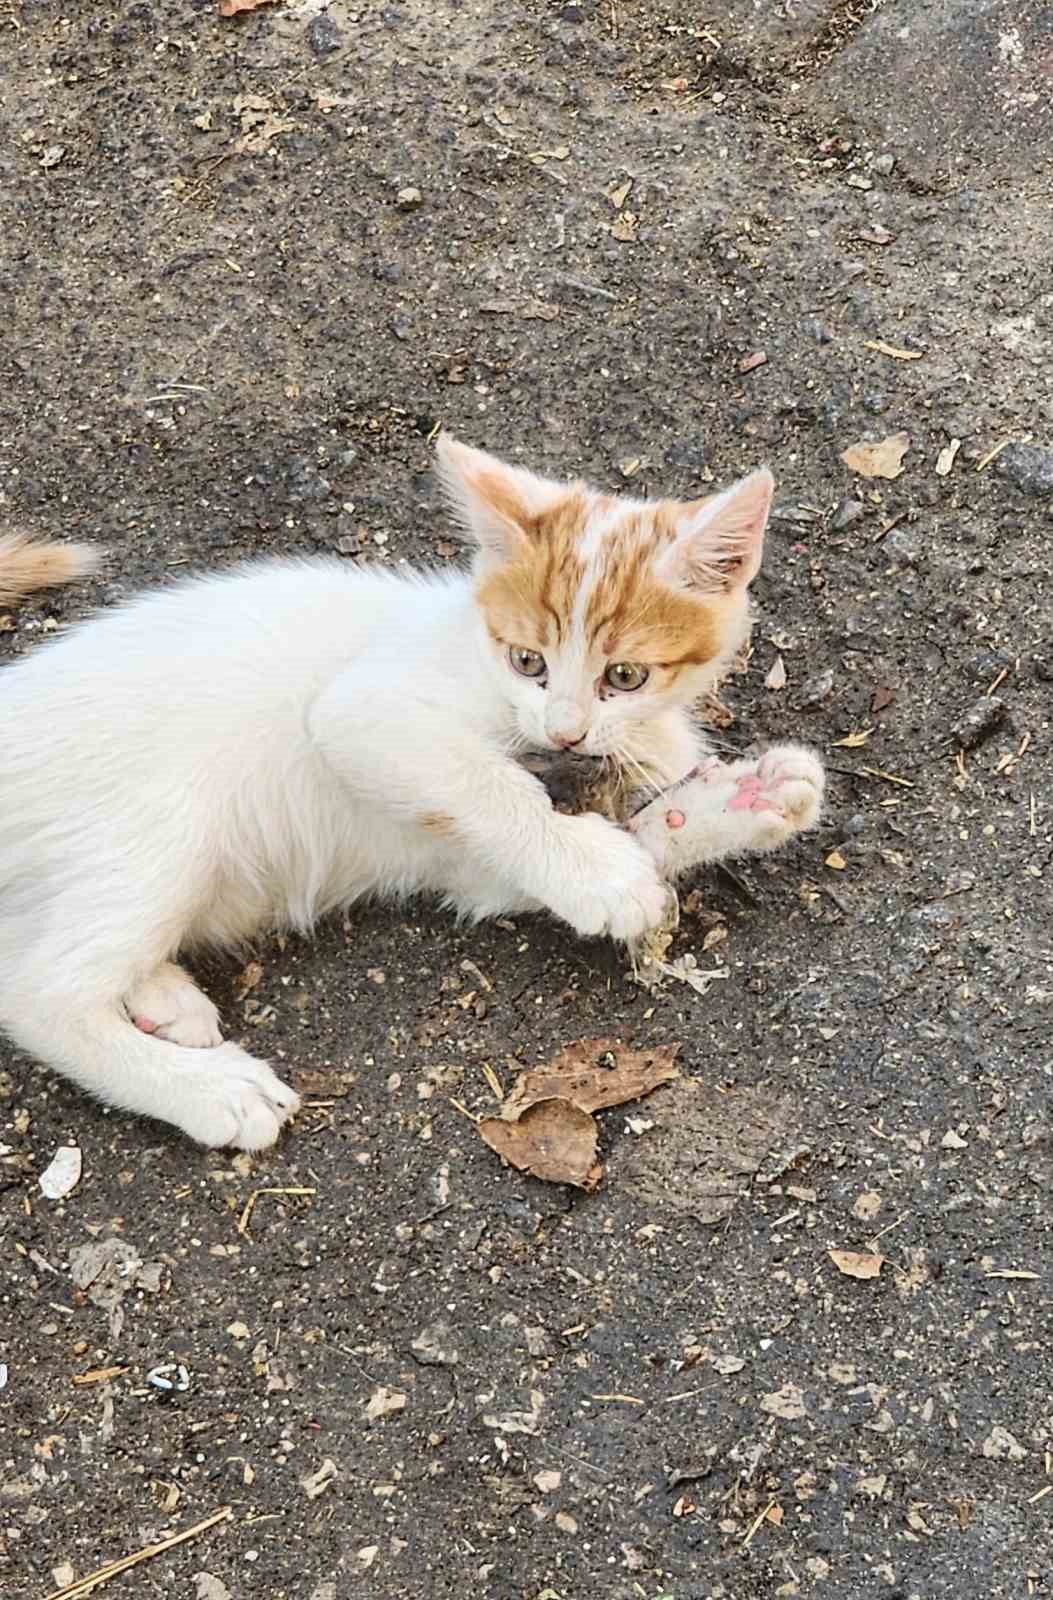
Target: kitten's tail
<point>30,564</point>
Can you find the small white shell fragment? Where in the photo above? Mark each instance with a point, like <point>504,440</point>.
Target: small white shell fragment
<point>171,1375</point>
<point>62,1175</point>
<point>3,1374</point>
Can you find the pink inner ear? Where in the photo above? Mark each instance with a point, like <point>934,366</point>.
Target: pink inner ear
<point>721,540</point>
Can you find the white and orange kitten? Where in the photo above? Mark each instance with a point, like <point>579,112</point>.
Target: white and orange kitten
<point>254,748</point>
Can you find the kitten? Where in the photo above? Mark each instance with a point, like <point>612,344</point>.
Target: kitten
<point>257,747</point>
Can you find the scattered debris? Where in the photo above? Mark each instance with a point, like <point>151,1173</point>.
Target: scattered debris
<point>409,199</point>
<point>518,1421</point>
<point>895,351</point>
<point>853,741</point>
<point>945,459</point>
<point>875,234</point>
<point>3,1374</point>
<point>545,1125</point>
<point>250,1204</point>
<point>98,1375</point>
<point>106,1269</point>
<point>619,192</point>
<point>787,1403</point>
<point>171,1378</point>
<point>434,1346</point>
<point>316,1483</point>
<point>857,1263</point>
<point>983,718</point>
<point>62,1174</point>
<point>210,1587</point>
<point>867,1205</point>
<point>759,358</point>
<point>881,460</point>
<point>836,861</point>
<point>52,156</point>
<point>1000,1445</point>
<point>384,1402</point>
<point>776,678</point>
<point>95,1580</point>
<point>547,1482</point>
<point>623,228</point>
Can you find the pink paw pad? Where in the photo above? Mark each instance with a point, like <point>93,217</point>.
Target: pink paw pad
<point>750,795</point>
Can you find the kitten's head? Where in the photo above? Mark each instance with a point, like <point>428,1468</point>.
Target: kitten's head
<point>602,611</point>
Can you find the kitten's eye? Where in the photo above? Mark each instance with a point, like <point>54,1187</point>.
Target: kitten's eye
<point>626,675</point>
<point>528,663</point>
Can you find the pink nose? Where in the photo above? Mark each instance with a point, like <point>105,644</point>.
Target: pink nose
<point>566,743</point>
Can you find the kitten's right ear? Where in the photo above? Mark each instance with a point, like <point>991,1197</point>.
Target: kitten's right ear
<point>495,503</point>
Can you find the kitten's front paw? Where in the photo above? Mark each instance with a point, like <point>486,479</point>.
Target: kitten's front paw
<point>234,1100</point>
<point>727,810</point>
<point>613,887</point>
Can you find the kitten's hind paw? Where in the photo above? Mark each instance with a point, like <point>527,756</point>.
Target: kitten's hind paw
<point>233,1100</point>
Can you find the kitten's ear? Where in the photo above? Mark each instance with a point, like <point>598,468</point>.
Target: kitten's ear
<point>720,541</point>
<point>495,503</point>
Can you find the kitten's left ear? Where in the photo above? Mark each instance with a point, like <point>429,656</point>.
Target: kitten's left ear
<point>495,503</point>
<point>720,541</point>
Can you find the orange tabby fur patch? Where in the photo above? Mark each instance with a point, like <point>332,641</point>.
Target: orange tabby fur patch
<point>629,613</point>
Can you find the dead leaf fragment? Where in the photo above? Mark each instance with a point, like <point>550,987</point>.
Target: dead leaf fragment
<point>623,227</point>
<point>619,192</point>
<point>554,1140</point>
<point>875,234</point>
<point>594,1074</point>
<point>776,678</point>
<point>853,741</point>
<point>230,8</point>
<point>836,861</point>
<point>750,363</point>
<point>787,1403</point>
<point>881,460</point>
<point>857,1263</point>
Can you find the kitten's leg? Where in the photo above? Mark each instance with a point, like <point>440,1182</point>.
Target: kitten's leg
<point>400,753</point>
<point>170,1005</point>
<point>667,747</point>
<point>221,1096</point>
<point>733,809</point>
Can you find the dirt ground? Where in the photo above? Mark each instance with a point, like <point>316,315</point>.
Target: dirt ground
<point>247,266</point>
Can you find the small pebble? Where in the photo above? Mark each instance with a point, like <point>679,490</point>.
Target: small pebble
<point>883,164</point>
<point>979,722</point>
<point>847,512</point>
<point>816,689</point>
<point>1029,467</point>
<point>409,199</point>
<point>323,35</point>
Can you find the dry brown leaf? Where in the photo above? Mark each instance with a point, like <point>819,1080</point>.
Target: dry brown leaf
<point>881,460</point>
<point>776,678</point>
<point>857,1263</point>
<point>594,1074</point>
<point>623,227</point>
<point>875,235</point>
<point>853,741</point>
<point>618,193</point>
<point>836,860</point>
<point>750,363</point>
<point>230,8</point>
<point>553,1139</point>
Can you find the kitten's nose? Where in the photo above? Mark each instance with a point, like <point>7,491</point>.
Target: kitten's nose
<point>566,723</point>
<point>568,744</point>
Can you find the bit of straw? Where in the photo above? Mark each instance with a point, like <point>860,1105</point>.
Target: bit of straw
<point>250,1204</point>
<point>94,1580</point>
